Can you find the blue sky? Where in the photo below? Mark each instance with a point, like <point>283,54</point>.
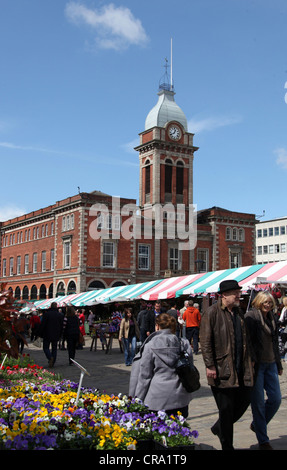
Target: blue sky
<point>79,78</point>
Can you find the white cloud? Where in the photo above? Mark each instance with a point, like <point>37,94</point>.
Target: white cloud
<point>115,27</point>
<point>211,123</point>
<point>129,147</point>
<point>10,211</point>
<point>281,157</point>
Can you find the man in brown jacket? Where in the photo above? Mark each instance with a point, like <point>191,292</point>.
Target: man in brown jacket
<point>227,359</point>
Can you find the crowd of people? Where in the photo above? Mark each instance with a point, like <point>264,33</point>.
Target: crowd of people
<point>240,350</point>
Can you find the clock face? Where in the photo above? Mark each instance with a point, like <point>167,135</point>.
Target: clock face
<point>174,132</point>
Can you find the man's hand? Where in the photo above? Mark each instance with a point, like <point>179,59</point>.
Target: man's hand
<point>211,372</point>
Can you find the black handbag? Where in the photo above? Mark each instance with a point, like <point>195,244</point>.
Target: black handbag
<point>187,372</point>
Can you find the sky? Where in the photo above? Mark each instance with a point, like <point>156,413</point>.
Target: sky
<point>78,78</point>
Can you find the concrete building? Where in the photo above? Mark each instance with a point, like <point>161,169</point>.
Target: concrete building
<point>271,240</point>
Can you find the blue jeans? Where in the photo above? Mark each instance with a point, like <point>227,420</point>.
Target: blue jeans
<point>130,349</point>
<point>264,410</point>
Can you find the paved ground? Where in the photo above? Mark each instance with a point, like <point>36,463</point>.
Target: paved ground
<point>109,373</point>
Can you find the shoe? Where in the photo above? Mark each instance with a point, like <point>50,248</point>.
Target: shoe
<point>51,362</point>
<point>265,446</point>
<point>215,430</point>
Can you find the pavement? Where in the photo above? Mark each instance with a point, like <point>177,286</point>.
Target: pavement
<point>108,373</point>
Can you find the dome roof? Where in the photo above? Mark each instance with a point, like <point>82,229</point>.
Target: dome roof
<point>164,111</point>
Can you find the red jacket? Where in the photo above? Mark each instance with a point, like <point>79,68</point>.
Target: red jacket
<point>191,317</point>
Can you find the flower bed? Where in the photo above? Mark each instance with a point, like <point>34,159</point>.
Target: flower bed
<point>38,412</point>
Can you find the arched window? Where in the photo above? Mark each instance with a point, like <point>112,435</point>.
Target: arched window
<point>25,294</point>
<point>61,289</point>
<point>71,287</point>
<point>234,234</point>
<point>51,291</point>
<point>33,292</point>
<point>228,233</point>
<point>43,292</point>
<point>179,177</point>
<point>168,177</point>
<point>147,177</point>
<point>17,292</point>
<point>96,285</point>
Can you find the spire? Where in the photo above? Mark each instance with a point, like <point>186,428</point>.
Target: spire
<point>166,81</point>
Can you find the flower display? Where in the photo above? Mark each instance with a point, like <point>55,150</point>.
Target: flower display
<point>38,412</point>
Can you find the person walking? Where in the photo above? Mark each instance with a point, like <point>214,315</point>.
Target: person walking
<point>227,357</point>
<point>181,321</point>
<point>192,319</point>
<point>146,322</point>
<point>71,331</point>
<point>129,334</point>
<point>153,376</point>
<point>175,313</point>
<point>261,323</point>
<point>50,330</point>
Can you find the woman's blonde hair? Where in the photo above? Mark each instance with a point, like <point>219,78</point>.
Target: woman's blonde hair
<point>166,321</point>
<point>284,301</point>
<point>262,297</point>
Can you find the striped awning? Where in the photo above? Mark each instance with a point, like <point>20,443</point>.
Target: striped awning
<point>84,297</point>
<point>255,276</point>
<point>125,293</point>
<point>167,288</point>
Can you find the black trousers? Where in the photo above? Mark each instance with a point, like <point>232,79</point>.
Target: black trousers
<point>232,404</point>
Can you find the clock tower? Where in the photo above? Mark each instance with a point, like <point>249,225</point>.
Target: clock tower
<point>166,153</point>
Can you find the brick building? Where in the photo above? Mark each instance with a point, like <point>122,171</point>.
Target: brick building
<point>93,240</point>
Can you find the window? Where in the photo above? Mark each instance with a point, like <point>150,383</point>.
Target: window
<point>168,176</point>
<point>202,260</point>
<point>18,264</point>
<point>241,235</point>
<point>265,233</point>
<point>265,249</point>
<point>108,254</point>
<point>276,231</point>
<point>144,256</point>
<point>228,233</point>
<point>4,267</point>
<point>271,232</point>
<point>63,224</point>
<point>235,259</point>
<point>26,264</point>
<point>259,250</point>
<point>11,266</point>
<point>271,249</point>
<point>67,254</point>
<point>277,249</point>
<point>35,260</point>
<point>259,233</point>
<point>283,247</point>
<point>147,178</point>
<point>282,230</point>
<point>179,178</point>
<point>43,261</point>
<point>174,259</point>
<point>52,259</point>
<point>234,234</point>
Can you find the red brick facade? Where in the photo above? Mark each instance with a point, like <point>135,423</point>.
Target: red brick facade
<point>92,240</point>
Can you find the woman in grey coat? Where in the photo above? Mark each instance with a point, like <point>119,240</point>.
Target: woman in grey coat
<point>153,376</point>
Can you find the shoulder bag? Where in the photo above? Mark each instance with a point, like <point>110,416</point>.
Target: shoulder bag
<point>187,372</point>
